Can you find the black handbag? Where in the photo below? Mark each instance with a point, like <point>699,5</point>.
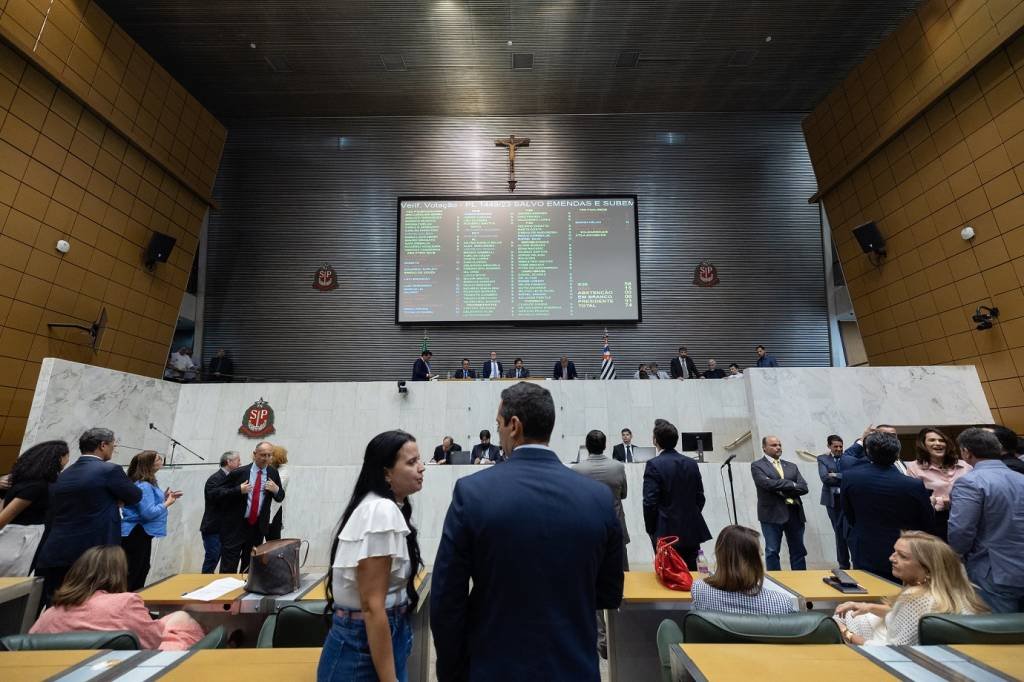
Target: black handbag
<point>274,567</point>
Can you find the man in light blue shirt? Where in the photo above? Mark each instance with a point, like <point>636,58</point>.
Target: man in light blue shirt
<point>986,522</point>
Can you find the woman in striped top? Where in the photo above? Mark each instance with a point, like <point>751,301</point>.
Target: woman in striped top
<point>737,585</point>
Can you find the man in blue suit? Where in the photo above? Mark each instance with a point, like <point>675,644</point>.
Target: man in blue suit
<point>674,496</point>
<point>84,508</point>
<point>564,369</point>
<point>854,456</point>
<point>831,474</point>
<point>879,502</point>
<point>421,368</point>
<point>543,549</point>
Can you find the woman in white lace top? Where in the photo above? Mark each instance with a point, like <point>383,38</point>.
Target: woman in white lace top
<point>374,557</point>
<point>935,581</point>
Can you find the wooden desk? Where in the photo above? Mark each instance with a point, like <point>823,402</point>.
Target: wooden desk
<point>783,662</point>
<point>809,587</point>
<point>641,587</point>
<point>1006,658</point>
<point>35,666</point>
<point>19,604</point>
<point>246,665</point>
<point>170,591</point>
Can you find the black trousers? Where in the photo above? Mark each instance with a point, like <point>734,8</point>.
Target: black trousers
<point>53,578</point>
<point>138,547</point>
<point>236,547</point>
<point>274,532</point>
<point>835,515</point>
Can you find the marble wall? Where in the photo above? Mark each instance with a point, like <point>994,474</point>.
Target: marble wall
<point>325,426</point>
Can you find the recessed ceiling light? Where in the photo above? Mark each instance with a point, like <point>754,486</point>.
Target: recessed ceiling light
<point>253,44</point>
<point>768,39</point>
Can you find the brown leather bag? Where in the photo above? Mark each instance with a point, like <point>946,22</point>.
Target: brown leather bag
<point>274,567</point>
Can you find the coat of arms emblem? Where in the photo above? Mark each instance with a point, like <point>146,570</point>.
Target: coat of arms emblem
<point>258,420</point>
<point>706,275</point>
<point>325,279</point>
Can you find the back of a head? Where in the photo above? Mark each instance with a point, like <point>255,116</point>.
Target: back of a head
<point>1007,438</point>
<point>596,442</point>
<point>882,448</point>
<point>947,579</point>
<point>738,553</point>
<point>981,443</point>
<point>143,467</point>
<point>41,462</point>
<point>534,407</point>
<point>666,435</point>
<point>91,440</point>
<point>99,568</point>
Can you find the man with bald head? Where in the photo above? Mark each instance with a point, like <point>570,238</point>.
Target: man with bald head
<point>779,509</point>
<point>248,492</point>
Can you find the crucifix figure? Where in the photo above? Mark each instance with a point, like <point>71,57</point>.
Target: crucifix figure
<point>512,142</point>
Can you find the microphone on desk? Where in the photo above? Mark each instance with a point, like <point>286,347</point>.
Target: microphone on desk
<point>726,463</point>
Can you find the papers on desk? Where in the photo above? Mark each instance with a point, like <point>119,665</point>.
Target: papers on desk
<point>217,588</point>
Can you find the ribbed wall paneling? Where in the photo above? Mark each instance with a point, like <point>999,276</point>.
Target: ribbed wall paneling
<point>295,193</point>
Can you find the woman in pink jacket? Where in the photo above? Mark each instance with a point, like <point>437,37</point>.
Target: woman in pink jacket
<point>94,596</point>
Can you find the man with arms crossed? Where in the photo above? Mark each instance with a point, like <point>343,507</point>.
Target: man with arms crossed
<point>779,487</point>
<point>542,548</point>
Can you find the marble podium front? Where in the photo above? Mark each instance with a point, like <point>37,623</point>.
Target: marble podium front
<point>326,426</point>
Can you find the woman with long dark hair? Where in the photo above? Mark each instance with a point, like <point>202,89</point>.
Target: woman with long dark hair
<point>374,560</point>
<point>23,516</point>
<point>938,465</point>
<point>146,519</point>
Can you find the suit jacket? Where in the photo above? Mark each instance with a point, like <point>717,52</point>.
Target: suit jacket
<point>420,370</point>
<point>543,549</point>
<point>570,370</point>
<point>84,510</point>
<point>512,373</point>
<point>879,502</point>
<point>478,452</point>
<point>613,474</point>
<point>235,501</point>
<point>485,370</point>
<point>767,361</point>
<point>214,495</point>
<point>827,464</point>
<point>677,370</point>
<point>772,491</point>
<point>465,374</point>
<point>716,373</point>
<point>674,499</point>
<point>440,454</point>
<point>619,452</point>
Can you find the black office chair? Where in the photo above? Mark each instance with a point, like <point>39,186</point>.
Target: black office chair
<point>79,639</point>
<point>302,624</point>
<point>708,627</point>
<point>987,628</point>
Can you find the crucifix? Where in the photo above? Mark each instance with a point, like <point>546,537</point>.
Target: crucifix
<point>512,142</point>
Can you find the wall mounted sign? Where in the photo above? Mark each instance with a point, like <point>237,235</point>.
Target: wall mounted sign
<point>325,279</point>
<point>706,275</point>
<point>258,420</point>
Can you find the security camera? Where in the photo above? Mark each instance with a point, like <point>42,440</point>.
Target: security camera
<point>967,234</point>
<point>984,316</point>
<point>63,246</point>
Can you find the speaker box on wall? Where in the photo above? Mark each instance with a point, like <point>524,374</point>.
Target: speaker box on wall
<point>159,249</point>
<point>869,238</point>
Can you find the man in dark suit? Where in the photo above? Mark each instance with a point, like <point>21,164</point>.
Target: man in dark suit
<point>84,508</point>
<point>213,512</point>
<point>674,496</point>
<point>421,368</point>
<point>624,450</point>
<point>564,369</point>
<point>763,359</point>
<point>854,456</point>
<point>543,549</point>
<point>492,369</point>
<point>714,371</point>
<point>518,371</point>
<point>447,445</point>
<point>831,474</point>
<point>247,508</point>
<point>465,372</point>
<point>779,509</point>
<point>485,451</point>
<point>879,502</point>
<point>683,366</point>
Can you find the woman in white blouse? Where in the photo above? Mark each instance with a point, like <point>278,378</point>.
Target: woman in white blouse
<point>374,559</point>
<point>935,582</point>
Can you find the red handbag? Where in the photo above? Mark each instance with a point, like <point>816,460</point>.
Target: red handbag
<point>669,567</point>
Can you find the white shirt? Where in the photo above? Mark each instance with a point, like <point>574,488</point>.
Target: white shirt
<point>376,528</point>
<point>495,374</point>
<point>182,363</point>
<point>283,472</point>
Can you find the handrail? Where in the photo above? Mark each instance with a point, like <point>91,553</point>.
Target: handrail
<point>736,443</point>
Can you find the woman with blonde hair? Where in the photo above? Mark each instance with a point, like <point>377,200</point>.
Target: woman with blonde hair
<point>737,585</point>
<point>279,460</point>
<point>147,518</point>
<point>935,582</point>
<point>95,596</point>
<point>938,465</point>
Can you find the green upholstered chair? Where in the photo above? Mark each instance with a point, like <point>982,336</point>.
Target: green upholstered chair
<point>709,627</point>
<point>669,635</point>
<point>987,628</point>
<point>214,639</point>
<point>302,624</point>
<point>82,639</point>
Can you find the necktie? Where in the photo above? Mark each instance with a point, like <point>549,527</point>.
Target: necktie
<point>629,453</point>
<point>778,467</point>
<point>517,374</point>
<point>257,490</point>
<point>494,369</point>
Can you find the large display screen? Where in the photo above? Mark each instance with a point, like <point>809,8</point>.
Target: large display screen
<point>524,258</point>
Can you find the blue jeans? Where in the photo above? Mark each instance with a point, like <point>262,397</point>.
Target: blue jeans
<point>793,529</point>
<point>346,653</point>
<point>1000,598</point>
<point>211,547</point>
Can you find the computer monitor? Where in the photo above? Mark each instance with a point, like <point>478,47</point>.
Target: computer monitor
<point>460,457</point>
<point>644,453</point>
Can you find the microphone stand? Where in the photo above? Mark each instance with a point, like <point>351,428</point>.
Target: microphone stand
<point>732,490</point>
<point>175,443</point>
